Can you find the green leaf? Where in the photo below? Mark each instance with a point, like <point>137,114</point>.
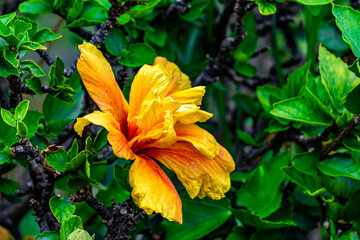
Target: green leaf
<point>116,41</point>
<point>45,35</point>
<point>31,46</point>
<point>351,210</point>
<point>302,110</point>
<point>337,78</point>
<point>32,122</point>
<point>201,216</point>
<point>157,37</point>
<point>140,11</point>
<point>268,95</point>
<point>57,159</point>
<point>69,225</point>
<point>340,165</point>
<point>32,67</point>
<point>8,186</point>
<point>22,129</point>
<point>75,162</point>
<point>297,81</point>
<point>35,7</point>
<point>246,103</point>
<point>35,85</point>
<point>62,208</point>
<point>265,8</point>
<point>137,55</point>
<point>124,19</point>
<point>79,234</point>
<point>7,18</point>
<point>261,193</point>
<point>7,66</point>
<point>313,2</point>
<point>248,218</point>
<point>49,235</point>
<point>75,10</point>
<point>347,19</point>
<point>331,38</point>
<point>121,175</point>
<point>5,155</point>
<point>91,15</point>
<point>311,184</point>
<point>100,140</point>
<point>21,110</point>
<point>7,134</point>
<point>352,100</point>
<point>73,151</point>
<point>8,117</point>
<point>59,114</point>
<point>196,11</point>
<point>305,163</point>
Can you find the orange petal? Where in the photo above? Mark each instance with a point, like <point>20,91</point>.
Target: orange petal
<point>116,138</point>
<point>153,190</point>
<point>179,80</point>
<point>190,113</point>
<point>100,83</point>
<point>189,96</point>
<point>199,175</point>
<point>201,139</point>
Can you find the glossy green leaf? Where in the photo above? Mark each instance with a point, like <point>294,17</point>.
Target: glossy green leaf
<point>35,7</point>
<point>245,69</point>
<point>49,235</point>
<point>5,155</point>
<point>8,117</point>
<point>261,193</point>
<point>91,15</point>
<point>305,163</point>
<point>266,8</point>
<point>7,66</point>
<point>75,162</point>
<point>21,110</point>
<point>57,159</point>
<point>116,41</point>
<point>337,78</point>
<point>137,55</point>
<point>313,2</point>
<point>201,216</point>
<point>79,234</point>
<point>62,208</point>
<point>267,95</point>
<point>124,18</point>
<point>69,225</point>
<point>351,210</point>
<point>311,184</point>
<point>248,218</point>
<point>341,166</point>
<point>75,10</point>
<point>31,46</point>
<point>74,149</point>
<point>22,129</point>
<point>35,85</point>
<point>347,19</point>
<point>246,138</point>
<point>100,140</point>
<point>7,134</point>
<point>302,110</point>
<point>297,81</point>
<point>32,67</point>
<point>45,35</point>
<point>7,18</point>
<point>140,11</point>
<point>32,122</point>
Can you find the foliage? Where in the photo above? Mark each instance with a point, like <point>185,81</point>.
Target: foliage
<point>282,79</point>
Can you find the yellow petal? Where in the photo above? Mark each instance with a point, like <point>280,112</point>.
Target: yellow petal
<point>199,175</point>
<point>100,83</point>
<point>116,138</point>
<point>190,113</point>
<point>153,190</point>
<point>149,83</point>
<point>199,138</point>
<point>179,80</point>
<point>192,95</point>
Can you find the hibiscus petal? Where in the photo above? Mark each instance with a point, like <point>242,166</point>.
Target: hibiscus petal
<point>199,138</point>
<point>179,80</point>
<point>100,83</point>
<point>153,190</point>
<point>149,83</point>
<point>192,95</point>
<point>199,175</point>
<point>190,113</point>
<point>116,138</point>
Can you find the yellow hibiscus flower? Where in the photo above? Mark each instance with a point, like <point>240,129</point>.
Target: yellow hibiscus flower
<point>157,123</point>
